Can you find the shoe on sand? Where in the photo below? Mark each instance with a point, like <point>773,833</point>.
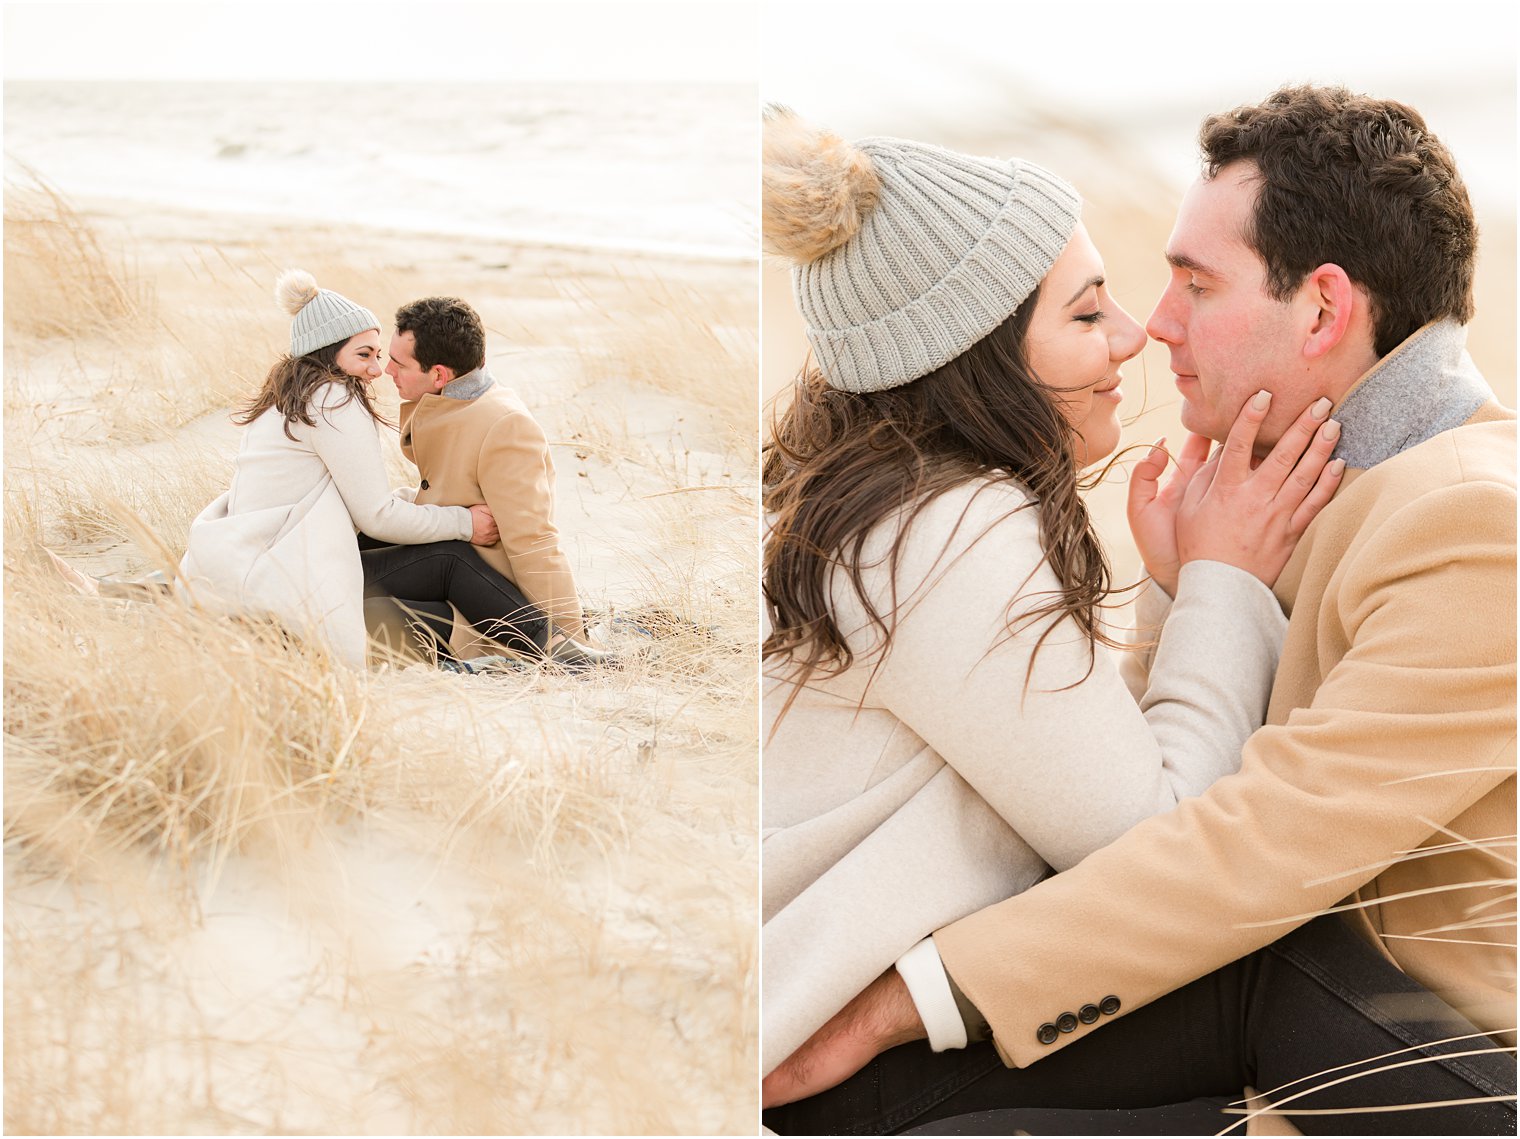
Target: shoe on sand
<point>482,666</point>
<point>577,656</point>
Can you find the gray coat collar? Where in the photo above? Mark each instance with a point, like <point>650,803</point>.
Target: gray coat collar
<point>1428,384</point>
<point>468,386</point>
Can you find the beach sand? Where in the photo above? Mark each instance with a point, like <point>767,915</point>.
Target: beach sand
<point>427,903</point>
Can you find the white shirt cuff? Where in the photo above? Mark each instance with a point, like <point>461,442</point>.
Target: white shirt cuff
<point>924,974</point>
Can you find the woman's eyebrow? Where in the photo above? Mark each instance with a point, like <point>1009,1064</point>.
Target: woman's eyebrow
<point>1087,284</point>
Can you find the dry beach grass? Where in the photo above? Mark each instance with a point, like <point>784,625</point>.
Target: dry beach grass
<point>246,891</point>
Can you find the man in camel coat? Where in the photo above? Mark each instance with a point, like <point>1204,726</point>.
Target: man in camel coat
<point>473,441</point>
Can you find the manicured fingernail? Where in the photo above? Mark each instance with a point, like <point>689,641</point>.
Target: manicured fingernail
<point>1160,442</point>
<point>1321,407</point>
<point>1330,430</point>
<point>1262,401</point>
<point>1336,467</point>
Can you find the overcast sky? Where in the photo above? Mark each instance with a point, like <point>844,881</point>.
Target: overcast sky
<point>1143,67</point>
<point>497,41</point>
<point>1097,53</point>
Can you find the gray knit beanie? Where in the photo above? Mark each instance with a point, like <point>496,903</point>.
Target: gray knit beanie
<point>322,317</point>
<point>904,254</point>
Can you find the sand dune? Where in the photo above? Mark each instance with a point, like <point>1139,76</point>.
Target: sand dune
<point>245,893</point>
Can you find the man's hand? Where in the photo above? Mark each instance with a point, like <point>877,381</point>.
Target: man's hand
<point>881,1017</point>
<point>1152,507</point>
<point>484,524</point>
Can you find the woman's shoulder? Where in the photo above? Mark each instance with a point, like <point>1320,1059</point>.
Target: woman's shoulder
<point>981,523</point>
<point>331,396</point>
<point>964,515</point>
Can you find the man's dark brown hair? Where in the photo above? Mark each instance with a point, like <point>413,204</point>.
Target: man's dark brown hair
<point>1361,183</point>
<point>448,332</point>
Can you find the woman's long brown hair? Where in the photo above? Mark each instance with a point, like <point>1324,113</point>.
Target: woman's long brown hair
<point>840,462</point>
<point>293,379</point>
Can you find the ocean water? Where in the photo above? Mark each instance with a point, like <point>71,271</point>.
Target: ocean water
<point>668,168</point>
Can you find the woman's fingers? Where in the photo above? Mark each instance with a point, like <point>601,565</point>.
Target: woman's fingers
<point>1202,481</point>
<point>1319,496</point>
<point>1240,444</point>
<point>1146,475</point>
<point>1189,461</point>
<point>1283,460</point>
<point>1195,452</point>
<point>1305,474</point>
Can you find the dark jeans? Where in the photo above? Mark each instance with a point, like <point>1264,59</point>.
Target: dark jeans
<point>1320,998</point>
<point>425,580</point>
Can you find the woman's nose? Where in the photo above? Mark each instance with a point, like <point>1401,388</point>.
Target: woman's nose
<point>1127,338</point>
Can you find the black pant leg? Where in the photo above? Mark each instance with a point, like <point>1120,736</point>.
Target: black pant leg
<point>1320,998</point>
<point>425,626</point>
<point>454,572</point>
<point>1332,1024</point>
<point>1196,1117</point>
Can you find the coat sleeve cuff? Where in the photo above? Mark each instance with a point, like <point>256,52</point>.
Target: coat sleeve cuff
<point>929,986</point>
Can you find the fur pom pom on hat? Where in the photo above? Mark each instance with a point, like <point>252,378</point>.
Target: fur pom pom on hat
<point>322,317</point>
<point>818,188</point>
<point>904,254</point>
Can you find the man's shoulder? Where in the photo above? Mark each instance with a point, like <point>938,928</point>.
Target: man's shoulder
<point>500,400</point>
<point>492,410</point>
<point>1481,451</point>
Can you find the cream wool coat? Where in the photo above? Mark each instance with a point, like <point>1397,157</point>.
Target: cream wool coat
<point>281,541</point>
<point>490,449</point>
<point>898,798</point>
<point>1391,729</point>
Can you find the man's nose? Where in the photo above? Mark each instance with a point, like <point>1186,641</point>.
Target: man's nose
<point>1164,324</point>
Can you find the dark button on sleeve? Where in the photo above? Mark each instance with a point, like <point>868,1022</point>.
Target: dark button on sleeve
<point>1067,1022</point>
<point>1087,1014</point>
<point>1108,1006</point>
<point>424,484</point>
<point>1046,1034</point>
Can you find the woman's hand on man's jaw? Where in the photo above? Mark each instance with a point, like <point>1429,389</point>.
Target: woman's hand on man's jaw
<point>1251,515</point>
<point>1231,507</point>
<point>881,1017</point>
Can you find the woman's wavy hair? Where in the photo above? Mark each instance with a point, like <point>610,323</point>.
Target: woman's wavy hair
<point>292,381</point>
<point>840,462</point>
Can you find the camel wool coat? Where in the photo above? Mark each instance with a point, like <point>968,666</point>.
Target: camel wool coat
<point>490,449</point>
<point>1385,770</point>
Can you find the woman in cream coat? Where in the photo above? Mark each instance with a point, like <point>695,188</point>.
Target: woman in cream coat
<point>309,473</point>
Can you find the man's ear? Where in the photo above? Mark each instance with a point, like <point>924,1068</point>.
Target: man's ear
<point>1332,300</point>
<point>442,375</point>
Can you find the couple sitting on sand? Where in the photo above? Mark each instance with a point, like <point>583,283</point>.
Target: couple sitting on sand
<point>476,534</point>
<point>944,726</point>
